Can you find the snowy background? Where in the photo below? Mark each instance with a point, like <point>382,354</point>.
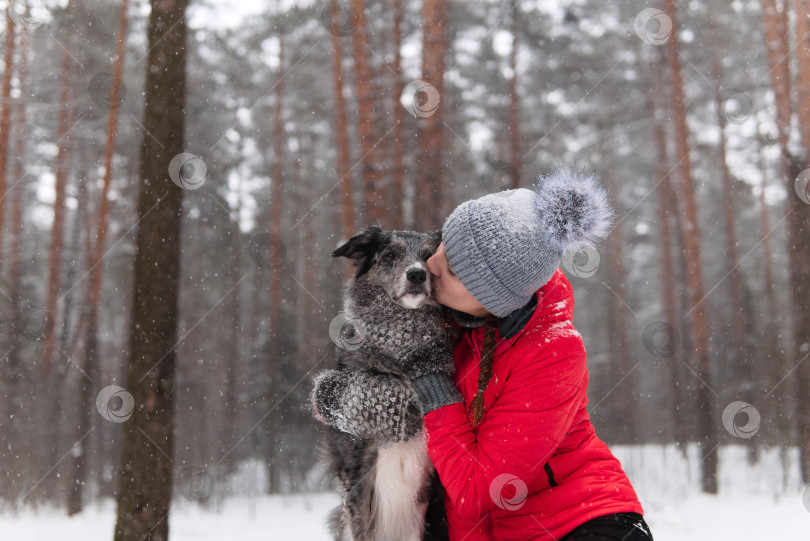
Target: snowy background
<point>588,88</point>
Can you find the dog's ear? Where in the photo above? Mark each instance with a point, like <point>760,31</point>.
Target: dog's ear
<point>434,239</point>
<point>363,245</point>
<point>437,235</point>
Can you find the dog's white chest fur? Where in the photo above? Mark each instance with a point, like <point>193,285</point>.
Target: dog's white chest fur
<point>402,471</point>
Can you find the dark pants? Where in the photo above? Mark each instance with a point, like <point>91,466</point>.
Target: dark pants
<point>615,527</point>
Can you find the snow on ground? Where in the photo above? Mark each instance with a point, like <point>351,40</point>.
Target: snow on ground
<point>268,518</point>
<point>763,501</point>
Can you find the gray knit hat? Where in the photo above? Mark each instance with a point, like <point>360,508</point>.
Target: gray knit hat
<point>506,245</point>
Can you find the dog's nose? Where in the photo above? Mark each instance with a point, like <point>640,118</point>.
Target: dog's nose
<point>416,276</point>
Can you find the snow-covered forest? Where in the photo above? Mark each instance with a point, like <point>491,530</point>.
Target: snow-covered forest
<point>175,174</point>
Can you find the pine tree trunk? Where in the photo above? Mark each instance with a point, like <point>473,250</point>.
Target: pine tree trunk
<point>273,419</point>
<point>56,378</point>
<point>514,115</point>
<point>775,21</point>
<point>799,237</point>
<point>773,359</point>
<point>145,479</point>
<point>342,132</point>
<point>311,305</point>
<point>668,300</point>
<point>233,363</point>
<point>11,429</point>
<point>77,463</point>
<point>622,357</point>
<point>764,225</point>
<point>707,429</point>
<point>373,202</point>
<point>741,353</point>
<point>20,129</point>
<point>774,18</point>
<point>57,229</point>
<point>5,117</point>
<point>396,206</point>
<point>59,373</point>
<point>802,13</point>
<point>86,395</point>
<point>429,189</point>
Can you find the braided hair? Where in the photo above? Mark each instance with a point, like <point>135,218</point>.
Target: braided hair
<point>485,367</point>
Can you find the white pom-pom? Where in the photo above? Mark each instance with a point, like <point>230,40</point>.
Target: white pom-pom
<point>572,207</point>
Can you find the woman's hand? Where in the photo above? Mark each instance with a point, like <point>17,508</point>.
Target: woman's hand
<point>367,405</point>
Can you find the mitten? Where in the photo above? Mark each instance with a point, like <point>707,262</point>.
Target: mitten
<point>328,387</point>
<point>428,359</point>
<point>368,405</point>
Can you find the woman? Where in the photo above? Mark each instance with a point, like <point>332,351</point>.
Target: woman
<point>509,434</point>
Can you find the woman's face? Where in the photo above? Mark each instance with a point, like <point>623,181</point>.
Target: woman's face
<point>448,289</point>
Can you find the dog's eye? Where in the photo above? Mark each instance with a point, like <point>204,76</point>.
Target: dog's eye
<point>389,257</point>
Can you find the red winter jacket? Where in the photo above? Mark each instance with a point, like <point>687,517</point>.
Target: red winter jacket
<point>534,468</point>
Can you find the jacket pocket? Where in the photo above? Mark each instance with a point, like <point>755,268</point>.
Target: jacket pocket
<point>550,474</point>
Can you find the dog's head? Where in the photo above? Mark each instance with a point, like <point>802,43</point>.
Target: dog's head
<point>395,261</point>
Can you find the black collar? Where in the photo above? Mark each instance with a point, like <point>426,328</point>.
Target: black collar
<point>508,326</point>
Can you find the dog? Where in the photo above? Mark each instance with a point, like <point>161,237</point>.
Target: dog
<point>390,491</point>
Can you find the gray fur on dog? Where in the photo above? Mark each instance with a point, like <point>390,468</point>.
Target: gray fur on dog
<point>372,412</point>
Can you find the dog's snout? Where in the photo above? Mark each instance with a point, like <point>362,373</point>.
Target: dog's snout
<point>416,276</point>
